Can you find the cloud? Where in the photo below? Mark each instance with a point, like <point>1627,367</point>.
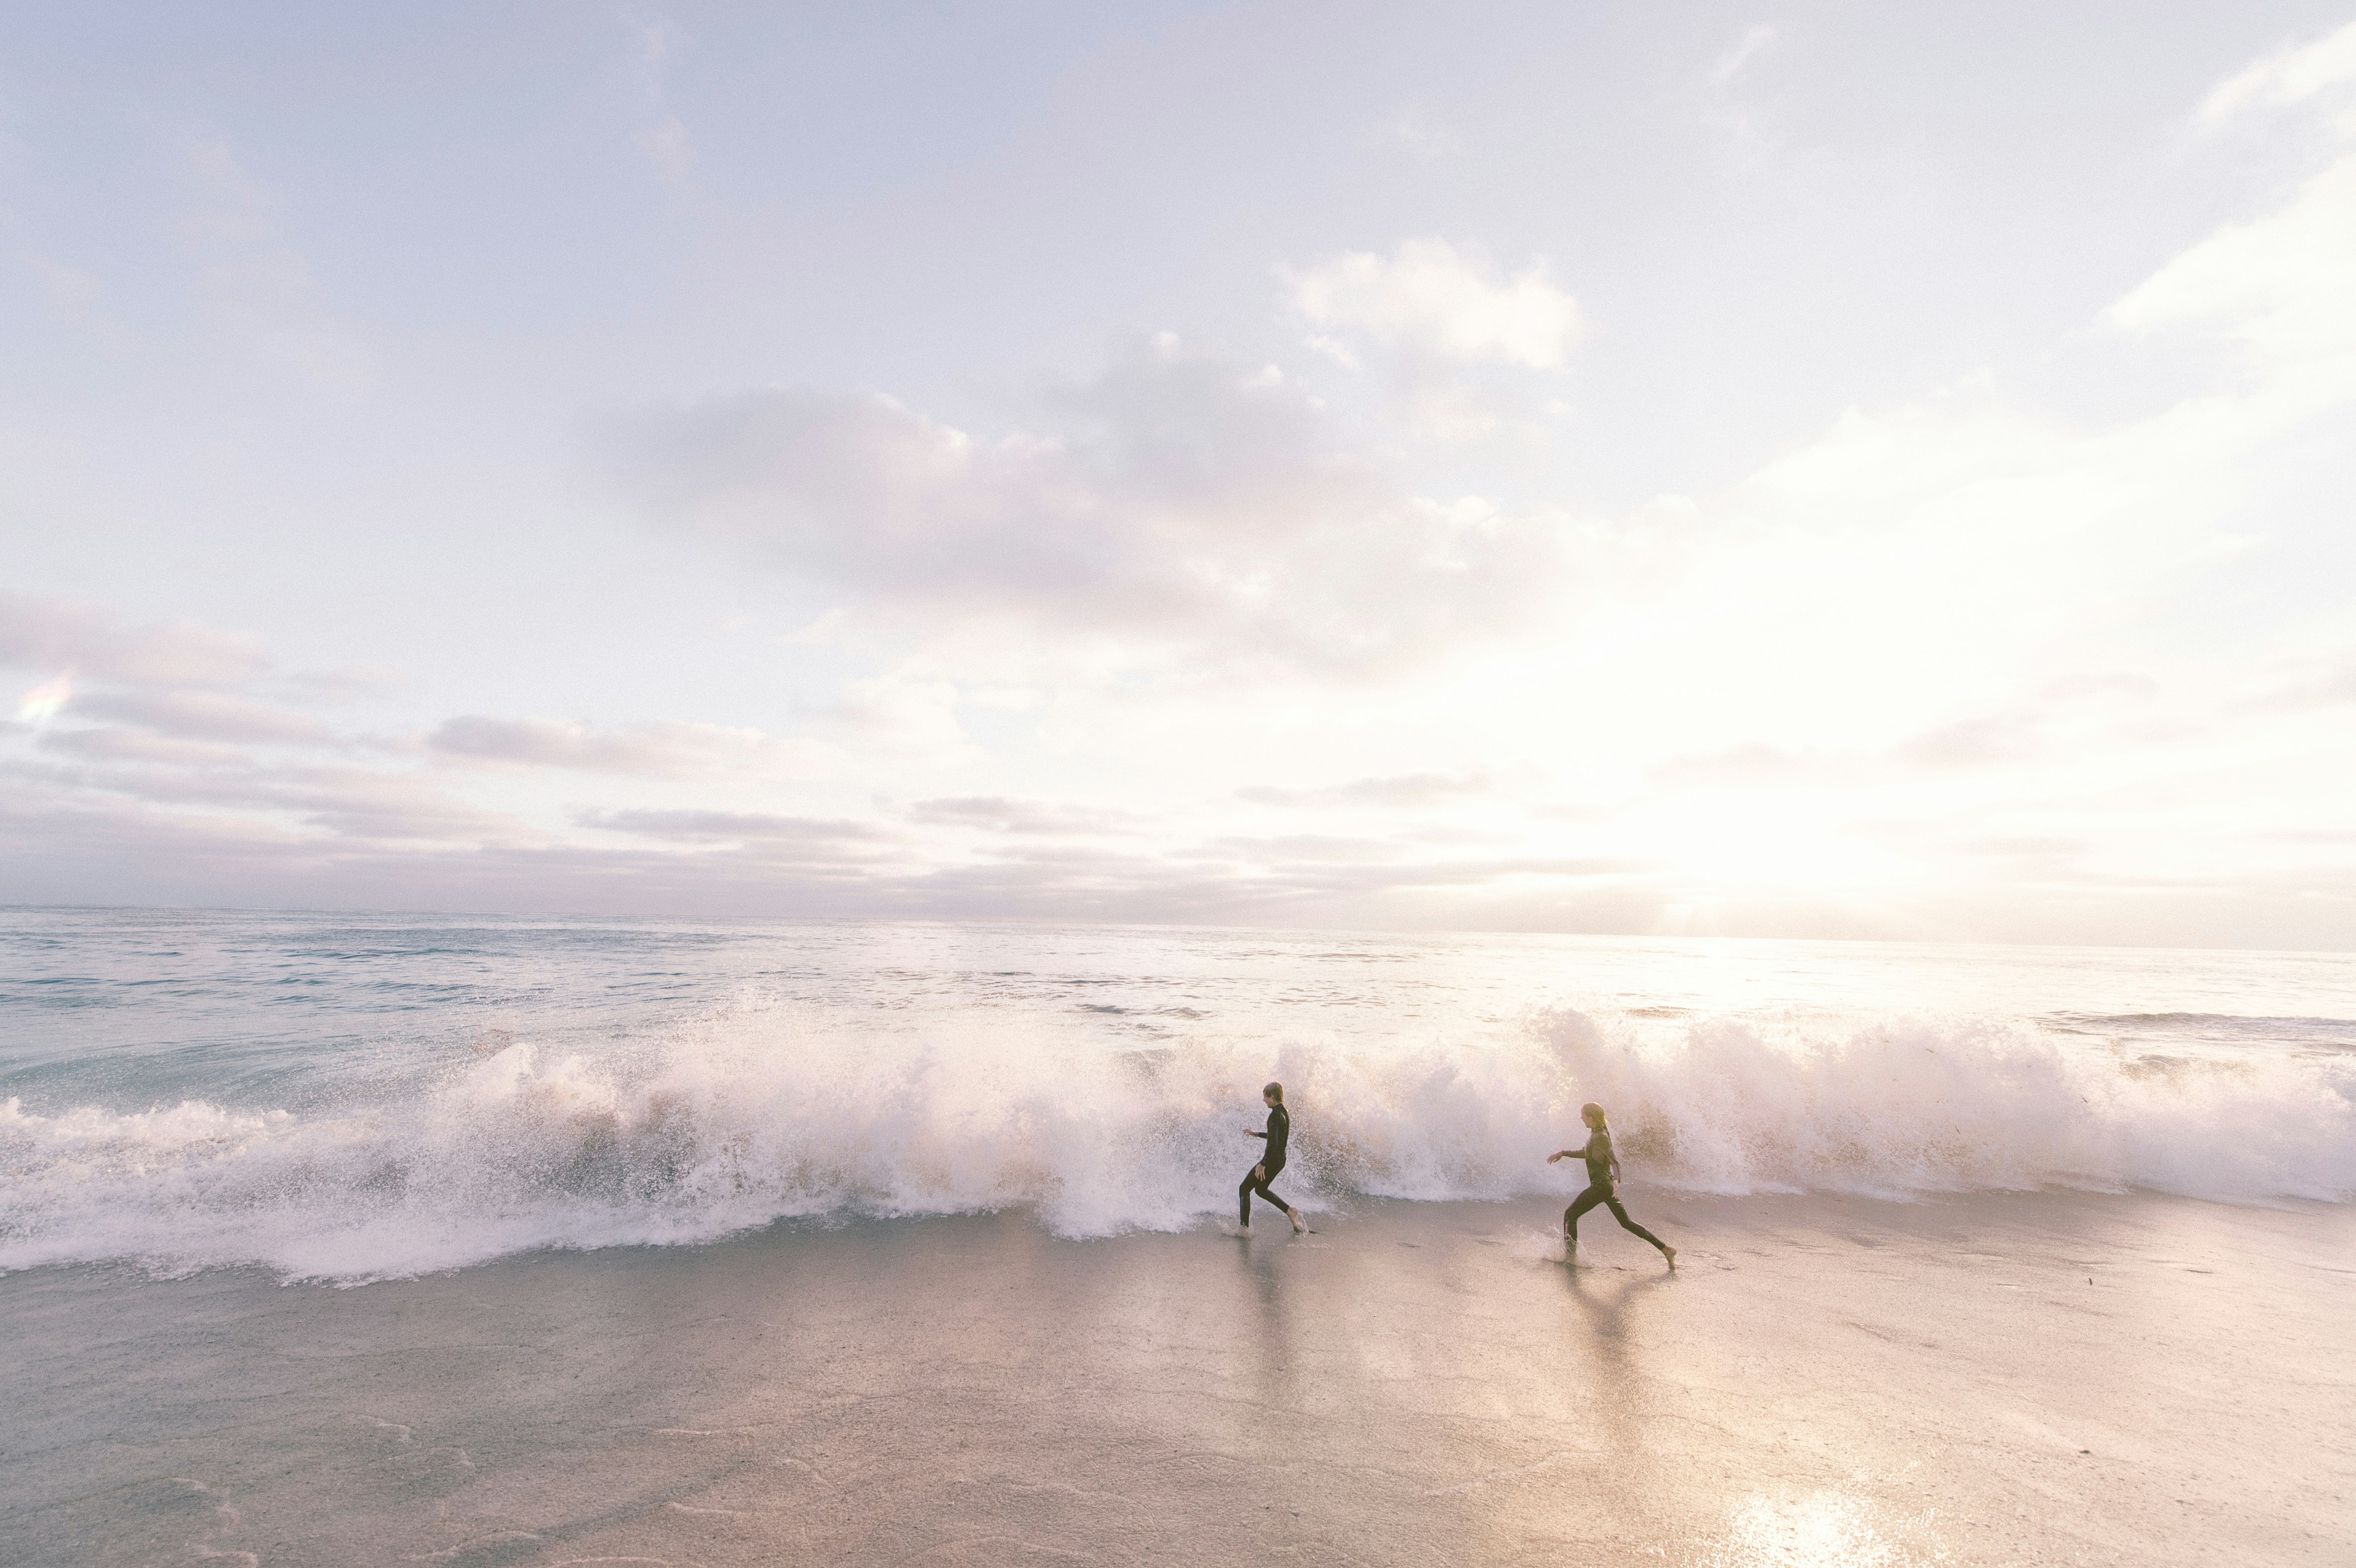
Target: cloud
<point>1187,503</point>
<point>902,716</point>
<point>2293,74</point>
<point>206,716</point>
<point>1428,298</point>
<point>2324,685</point>
<point>665,140</point>
<point>2275,285</point>
<point>1749,765</point>
<point>1973,743</point>
<point>352,685</point>
<point>650,750</point>
<point>1423,133</point>
<point>1403,792</point>
<point>806,836</point>
<point>999,814</point>
<point>106,743</point>
<point>57,634</point>
<point>669,147</point>
<point>77,297</point>
<point>1755,42</point>
<point>342,803</point>
<point>2029,846</point>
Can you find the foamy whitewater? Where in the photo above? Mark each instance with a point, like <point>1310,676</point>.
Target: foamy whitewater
<point>356,1098</point>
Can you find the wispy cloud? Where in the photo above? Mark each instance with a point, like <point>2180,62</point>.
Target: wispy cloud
<point>1429,297</point>
<point>1184,503</point>
<point>999,814</point>
<point>2293,74</point>
<point>1406,791</point>
<point>36,632</point>
<point>663,139</point>
<point>661,750</point>
<point>1756,41</point>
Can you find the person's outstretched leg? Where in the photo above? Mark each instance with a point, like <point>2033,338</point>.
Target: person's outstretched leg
<point>1633,1228</point>
<point>1266,1189</point>
<point>1579,1205</point>
<point>1255,1182</point>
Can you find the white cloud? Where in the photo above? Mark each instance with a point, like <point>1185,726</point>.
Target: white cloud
<point>999,814</point>
<point>2278,284</point>
<point>908,718</point>
<point>78,297</point>
<point>2293,74</point>
<point>676,751</point>
<point>804,837</point>
<point>56,634</point>
<point>1406,791</point>
<point>1755,42</point>
<point>669,147</point>
<point>1961,661</point>
<point>206,716</point>
<point>1429,298</point>
<point>1423,133</point>
<point>1186,505</point>
<point>665,140</point>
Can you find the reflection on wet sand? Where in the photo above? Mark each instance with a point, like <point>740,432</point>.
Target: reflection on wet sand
<point>1272,1348</point>
<point>1829,1384</point>
<point>1823,1529</point>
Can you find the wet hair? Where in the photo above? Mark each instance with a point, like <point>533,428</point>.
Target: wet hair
<point>1274,1092</point>
<point>1593,1113</point>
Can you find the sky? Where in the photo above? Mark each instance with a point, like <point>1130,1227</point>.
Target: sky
<point>1817,470</point>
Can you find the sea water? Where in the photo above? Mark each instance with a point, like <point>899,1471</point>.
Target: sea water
<point>355,1097</point>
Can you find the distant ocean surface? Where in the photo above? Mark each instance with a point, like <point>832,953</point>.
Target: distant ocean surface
<point>356,1097</point>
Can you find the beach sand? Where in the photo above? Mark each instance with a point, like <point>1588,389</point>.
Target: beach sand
<point>1998,1379</point>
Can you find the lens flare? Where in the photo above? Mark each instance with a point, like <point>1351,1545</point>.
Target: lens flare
<point>45,701</point>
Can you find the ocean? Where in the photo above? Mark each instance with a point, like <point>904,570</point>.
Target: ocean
<point>518,1243</point>
<point>347,1098</point>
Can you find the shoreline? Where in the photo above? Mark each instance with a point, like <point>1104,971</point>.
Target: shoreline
<point>1992,1378</point>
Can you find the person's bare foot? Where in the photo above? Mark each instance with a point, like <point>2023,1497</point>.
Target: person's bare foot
<point>1300,1225</point>
<point>1670,1253</point>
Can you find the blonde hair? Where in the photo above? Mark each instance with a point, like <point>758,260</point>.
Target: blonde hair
<point>1593,1116</point>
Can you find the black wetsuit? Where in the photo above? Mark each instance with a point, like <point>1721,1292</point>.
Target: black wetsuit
<point>1257,1178</point>
<point>1598,1155</point>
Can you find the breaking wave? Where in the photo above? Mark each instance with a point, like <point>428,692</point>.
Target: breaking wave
<point>745,1119</point>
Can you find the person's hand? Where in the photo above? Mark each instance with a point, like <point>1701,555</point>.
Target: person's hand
<point>1555,1155</point>
<point>1259,1173</point>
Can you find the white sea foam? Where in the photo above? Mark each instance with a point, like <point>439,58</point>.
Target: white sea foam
<point>747,1118</point>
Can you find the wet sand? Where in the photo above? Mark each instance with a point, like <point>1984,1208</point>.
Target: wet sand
<point>2051,1378</point>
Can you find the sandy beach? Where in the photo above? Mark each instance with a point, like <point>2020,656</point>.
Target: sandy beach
<point>1998,1379</point>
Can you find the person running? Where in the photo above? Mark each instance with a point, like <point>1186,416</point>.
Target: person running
<point>1603,1174</point>
<point>1257,1179</point>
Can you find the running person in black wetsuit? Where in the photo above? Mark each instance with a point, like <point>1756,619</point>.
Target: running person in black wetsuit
<point>1603,1173</point>
<point>1257,1179</point>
